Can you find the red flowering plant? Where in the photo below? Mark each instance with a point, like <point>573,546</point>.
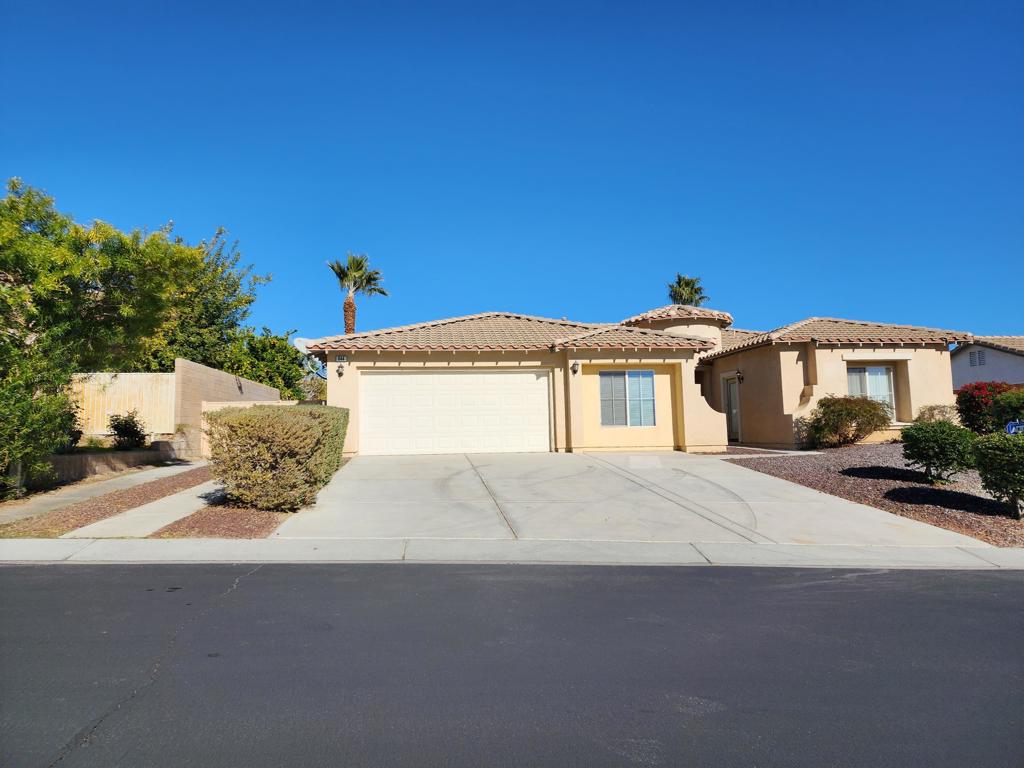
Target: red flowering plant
<point>974,404</point>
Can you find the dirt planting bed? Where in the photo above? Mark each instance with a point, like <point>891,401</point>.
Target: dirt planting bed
<point>66,519</point>
<point>878,476</point>
<point>223,521</point>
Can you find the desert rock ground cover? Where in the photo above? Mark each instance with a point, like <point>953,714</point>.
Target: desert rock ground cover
<point>877,475</point>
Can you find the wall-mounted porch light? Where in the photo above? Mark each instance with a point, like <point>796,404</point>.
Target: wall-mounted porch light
<point>575,368</point>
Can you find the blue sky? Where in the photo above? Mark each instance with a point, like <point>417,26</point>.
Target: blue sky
<point>864,161</point>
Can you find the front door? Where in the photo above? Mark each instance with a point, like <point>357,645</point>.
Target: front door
<point>732,408</point>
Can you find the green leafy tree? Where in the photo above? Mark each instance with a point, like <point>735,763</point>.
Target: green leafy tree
<point>270,359</point>
<point>356,277</point>
<point>96,289</point>
<point>37,416</point>
<point>686,290</point>
<point>206,306</point>
<point>72,297</point>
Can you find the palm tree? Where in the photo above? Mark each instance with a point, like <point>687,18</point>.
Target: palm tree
<point>686,290</point>
<point>355,276</point>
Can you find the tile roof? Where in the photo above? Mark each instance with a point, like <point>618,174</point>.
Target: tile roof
<point>503,331</point>
<point>1013,344</point>
<point>733,336</point>
<point>623,337</point>
<point>485,331</point>
<point>680,311</point>
<point>832,330</point>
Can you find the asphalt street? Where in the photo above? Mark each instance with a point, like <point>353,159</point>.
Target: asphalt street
<point>407,665</point>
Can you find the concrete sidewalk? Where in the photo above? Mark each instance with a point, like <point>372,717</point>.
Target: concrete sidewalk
<point>504,551</point>
<point>48,501</point>
<point>149,518</point>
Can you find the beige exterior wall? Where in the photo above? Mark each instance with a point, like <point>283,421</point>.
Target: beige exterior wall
<point>102,395</point>
<point>664,435</point>
<point>702,329</point>
<point>685,420</point>
<point>195,383</point>
<point>783,383</point>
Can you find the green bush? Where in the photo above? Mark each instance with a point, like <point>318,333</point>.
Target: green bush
<point>1008,407</point>
<point>939,448</point>
<point>843,420</point>
<point>1000,461</point>
<point>276,457</point>
<point>929,413</point>
<point>129,431</point>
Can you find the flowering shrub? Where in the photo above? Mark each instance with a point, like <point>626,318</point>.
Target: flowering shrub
<point>974,403</point>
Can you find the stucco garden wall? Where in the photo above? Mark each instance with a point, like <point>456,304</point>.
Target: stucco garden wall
<point>195,383</point>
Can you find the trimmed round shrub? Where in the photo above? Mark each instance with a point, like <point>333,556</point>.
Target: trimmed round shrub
<point>129,431</point>
<point>276,457</point>
<point>928,413</point>
<point>1008,407</point>
<point>939,448</point>
<point>839,421</point>
<point>999,458</point>
<point>974,404</point>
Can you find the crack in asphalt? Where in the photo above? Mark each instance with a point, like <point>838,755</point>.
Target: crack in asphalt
<point>85,736</point>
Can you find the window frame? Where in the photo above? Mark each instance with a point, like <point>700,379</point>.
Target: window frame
<point>890,377</point>
<point>626,376</point>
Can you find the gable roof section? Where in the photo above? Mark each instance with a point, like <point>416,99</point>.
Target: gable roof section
<point>623,337</point>
<point>1012,344</point>
<point>733,336</point>
<point>484,331</point>
<point>834,330</point>
<point>681,312</point>
<point>503,331</point>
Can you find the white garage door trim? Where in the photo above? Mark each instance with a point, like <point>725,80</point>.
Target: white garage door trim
<point>464,410</point>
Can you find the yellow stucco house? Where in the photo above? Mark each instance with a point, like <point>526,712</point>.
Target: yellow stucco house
<point>676,377</point>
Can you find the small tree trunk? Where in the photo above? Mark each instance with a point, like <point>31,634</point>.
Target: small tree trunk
<point>15,477</point>
<point>1017,508</point>
<point>350,315</point>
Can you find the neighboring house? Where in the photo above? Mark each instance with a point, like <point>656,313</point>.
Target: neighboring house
<point>500,381</point>
<point>664,379</point>
<point>989,358</point>
<point>768,383</point>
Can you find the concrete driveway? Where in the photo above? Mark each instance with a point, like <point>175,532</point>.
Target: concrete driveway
<point>645,497</point>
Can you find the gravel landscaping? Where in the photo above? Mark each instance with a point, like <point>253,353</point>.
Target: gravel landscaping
<point>223,521</point>
<point>66,519</point>
<point>878,476</point>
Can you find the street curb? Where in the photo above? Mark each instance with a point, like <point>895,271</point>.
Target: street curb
<point>522,551</point>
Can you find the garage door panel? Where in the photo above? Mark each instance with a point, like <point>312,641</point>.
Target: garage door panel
<point>454,412</point>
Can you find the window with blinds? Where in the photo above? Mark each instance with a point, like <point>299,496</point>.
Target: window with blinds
<point>874,381</point>
<point>627,398</point>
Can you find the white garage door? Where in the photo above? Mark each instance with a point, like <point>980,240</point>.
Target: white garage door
<point>454,412</point>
